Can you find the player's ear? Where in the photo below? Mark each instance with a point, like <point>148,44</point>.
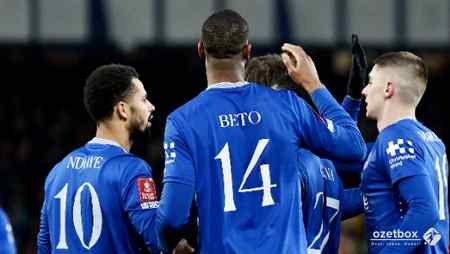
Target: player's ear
<point>201,50</point>
<point>389,90</point>
<point>122,110</point>
<point>247,51</point>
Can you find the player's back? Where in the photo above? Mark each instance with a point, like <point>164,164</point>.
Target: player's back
<point>243,144</point>
<point>322,193</point>
<point>437,168</point>
<point>84,205</point>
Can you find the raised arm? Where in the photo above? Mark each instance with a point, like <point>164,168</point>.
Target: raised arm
<point>334,134</point>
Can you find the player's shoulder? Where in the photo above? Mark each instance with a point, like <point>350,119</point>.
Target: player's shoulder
<point>405,128</point>
<point>307,157</point>
<point>211,95</point>
<point>192,106</point>
<point>309,163</point>
<point>61,165</point>
<point>3,216</point>
<point>405,137</point>
<point>126,161</point>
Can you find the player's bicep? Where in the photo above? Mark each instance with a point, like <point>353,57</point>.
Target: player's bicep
<point>140,200</point>
<point>178,159</point>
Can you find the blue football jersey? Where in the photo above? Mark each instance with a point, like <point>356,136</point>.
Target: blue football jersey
<point>321,203</point>
<point>404,149</point>
<point>99,199</point>
<point>236,144</point>
<point>7,244</point>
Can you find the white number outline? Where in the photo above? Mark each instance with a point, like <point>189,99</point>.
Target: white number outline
<point>77,218</point>
<point>225,159</point>
<point>330,203</point>
<point>443,184</point>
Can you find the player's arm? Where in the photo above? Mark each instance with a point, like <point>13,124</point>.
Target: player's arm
<point>404,159</point>
<point>173,214</point>
<point>7,245</point>
<point>352,203</point>
<point>43,239</point>
<point>351,106</point>
<point>336,136</point>
<point>352,167</point>
<point>179,187</point>
<point>422,213</point>
<point>139,197</point>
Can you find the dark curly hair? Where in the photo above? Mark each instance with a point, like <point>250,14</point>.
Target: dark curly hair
<point>105,87</point>
<point>224,34</point>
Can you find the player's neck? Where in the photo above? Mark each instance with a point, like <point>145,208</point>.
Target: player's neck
<point>117,133</point>
<point>218,71</point>
<point>394,113</point>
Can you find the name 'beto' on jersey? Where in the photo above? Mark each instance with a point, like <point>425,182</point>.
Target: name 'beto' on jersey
<point>405,149</point>
<point>98,199</point>
<point>239,119</point>
<point>236,145</point>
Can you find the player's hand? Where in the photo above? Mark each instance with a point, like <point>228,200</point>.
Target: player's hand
<point>300,67</point>
<point>183,247</point>
<point>358,72</point>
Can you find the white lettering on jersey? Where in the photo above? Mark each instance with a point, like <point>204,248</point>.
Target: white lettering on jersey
<point>399,152</point>
<point>327,173</point>
<point>239,119</point>
<point>82,162</point>
<point>428,136</point>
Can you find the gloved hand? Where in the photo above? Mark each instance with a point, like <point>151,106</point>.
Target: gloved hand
<point>358,72</point>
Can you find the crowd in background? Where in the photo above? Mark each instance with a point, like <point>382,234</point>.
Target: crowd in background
<point>43,118</point>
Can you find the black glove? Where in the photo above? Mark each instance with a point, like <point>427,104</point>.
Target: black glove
<point>358,72</point>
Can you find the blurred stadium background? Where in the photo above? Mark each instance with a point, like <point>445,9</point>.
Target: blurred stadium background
<point>48,47</point>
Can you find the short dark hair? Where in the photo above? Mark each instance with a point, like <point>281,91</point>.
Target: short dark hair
<point>414,72</point>
<point>224,34</point>
<point>404,59</point>
<point>269,70</point>
<point>105,87</point>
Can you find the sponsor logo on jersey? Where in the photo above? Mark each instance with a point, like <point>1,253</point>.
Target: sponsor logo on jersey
<point>370,159</point>
<point>330,125</point>
<point>169,151</point>
<point>365,202</point>
<point>147,193</point>
<point>399,151</point>
<point>432,236</point>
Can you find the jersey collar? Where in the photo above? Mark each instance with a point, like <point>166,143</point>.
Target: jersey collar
<point>103,141</point>
<point>224,85</point>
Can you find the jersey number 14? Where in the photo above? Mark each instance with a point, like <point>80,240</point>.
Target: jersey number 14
<point>224,157</point>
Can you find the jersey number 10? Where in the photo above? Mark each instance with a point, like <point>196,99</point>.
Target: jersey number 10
<point>224,157</point>
<point>96,212</point>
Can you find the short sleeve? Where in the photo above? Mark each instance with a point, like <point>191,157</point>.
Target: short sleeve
<point>179,165</point>
<point>402,155</point>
